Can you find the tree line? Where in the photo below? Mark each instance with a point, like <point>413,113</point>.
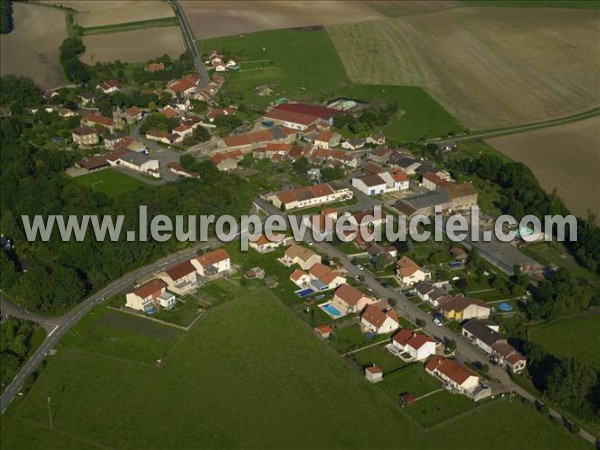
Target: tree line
<point>6,16</point>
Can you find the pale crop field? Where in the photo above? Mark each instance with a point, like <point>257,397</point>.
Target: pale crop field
<point>392,8</point>
<point>133,46</point>
<point>490,67</point>
<point>96,13</point>
<point>224,18</point>
<point>565,158</point>
<point>31,49</point>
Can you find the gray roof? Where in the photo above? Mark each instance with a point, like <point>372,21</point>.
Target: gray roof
<point>337,185</point>
<point>372,180</point>
<point>424,287</point>
<point>426,200</point>
<point>277,133</point>
<point>135,158</point>
<point>483,332</point>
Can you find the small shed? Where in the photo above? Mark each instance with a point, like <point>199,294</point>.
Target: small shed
<point>374,374</point>
<point>407,399</point>
<point>323,331</point>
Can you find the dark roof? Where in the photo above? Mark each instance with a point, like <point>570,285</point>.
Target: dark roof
<point>312,110</point>
<point>482,331</point>
<point>135,158</point>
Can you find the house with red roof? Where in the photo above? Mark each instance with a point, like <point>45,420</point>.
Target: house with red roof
<point>323,331</point>
<point>184,87</point>
<point>150,296</point>
<point>351,299</point>
<point>109,86</point>
<point>411,345</point>
<point>409,272</point>
<point>212,263</point>
<point>325,278</point>
<point>457,377</point>
<point>327,139</point>
<point>94,120</point>
<point>311,195</point>
<point>379,318</point>
<point>300,278</point>
<point>299,116</point>
<point>181,278</point>
<point>262,244</point>
<point>396,180</point>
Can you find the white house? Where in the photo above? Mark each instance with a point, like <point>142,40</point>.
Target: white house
<point>457,377</point>
<point>418,346</point>
<point>483,333</point>
<point>181,278</point>
<point>409,272</point>
<point>300,278</point>
<point>379,318</point>
<point>354,144</point>
<point>263,244</point>
<point>324,278</point>
<point>351,299</point>
<point>212,263</point>
<point>140,162</point>
<point>396,180</point>
<point>150,295</point>
<point>304,257</point>
<point>370,185</point>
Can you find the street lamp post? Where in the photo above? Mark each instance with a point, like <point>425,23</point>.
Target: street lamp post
<point>50,414</point>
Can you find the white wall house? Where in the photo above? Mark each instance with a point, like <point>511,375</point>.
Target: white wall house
<point>418,346</point>
<point>370,185</point>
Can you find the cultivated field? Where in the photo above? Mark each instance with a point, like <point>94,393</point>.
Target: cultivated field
<point>31,49</point>
<point>392,8</point>
<point>490,67</point>
<point>96,13</point>
<point>578,336</point>
<point>223,18</point>
<point>133,46</point>
<point>248,375</point>
<point>564,157</point>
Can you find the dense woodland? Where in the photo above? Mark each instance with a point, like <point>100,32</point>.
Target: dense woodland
<point>6,16</point>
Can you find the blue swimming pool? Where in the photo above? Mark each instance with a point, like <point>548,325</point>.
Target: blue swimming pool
<point>331,309</point>
<point>505,307</point>
<point>305,292</point>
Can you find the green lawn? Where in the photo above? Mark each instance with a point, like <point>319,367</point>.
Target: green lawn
<point>380,357</point>
<point>10,366</point>
<point>555,253</point>
<point>183,313</point>
<point>438,407</point>
<point>109,182</point>
<point>411,378</point>
<point>575,336</point>
<point>249,374</point>
<point>304,65</point>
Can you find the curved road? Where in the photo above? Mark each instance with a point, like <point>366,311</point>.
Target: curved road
<point>64,323</point>
<point>189,37</point>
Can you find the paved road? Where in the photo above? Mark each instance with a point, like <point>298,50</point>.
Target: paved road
<point>465,351</point>
<point>66,322</point>
<point>189,37</point>
<point>9,309</point>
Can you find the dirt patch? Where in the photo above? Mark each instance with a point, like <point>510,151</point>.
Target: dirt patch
<point>223,18</point>
<point>95,13</point>
<point>31,49</point>
<point>133,46</point>
<point>490,67</point>
<point>564,158</point>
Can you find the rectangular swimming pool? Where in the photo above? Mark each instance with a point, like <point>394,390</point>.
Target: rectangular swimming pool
<point>332,310</point>
<point>305,292</point>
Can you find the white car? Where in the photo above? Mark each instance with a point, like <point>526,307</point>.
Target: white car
<point>438,322</point>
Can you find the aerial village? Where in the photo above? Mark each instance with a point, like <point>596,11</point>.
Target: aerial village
<point>377,303</point>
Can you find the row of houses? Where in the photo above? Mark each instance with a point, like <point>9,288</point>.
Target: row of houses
<point>179,279</point>
<point>315,195</point>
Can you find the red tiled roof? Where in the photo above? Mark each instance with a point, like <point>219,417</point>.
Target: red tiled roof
<point>374,369</point>
<point>152,287</point>
<point>349,294</point>
<point>211,258</point>
<point>290,116</point>
<point>375,315</point>
<point>323,329</point>
<point>133,111</point>
<point>312,110</point>
<point>450,368</point>
<point>101,120</point>
<point>180,270</point>
<point>248,138</point>
<point>411,338</point>
<point>407,266</point>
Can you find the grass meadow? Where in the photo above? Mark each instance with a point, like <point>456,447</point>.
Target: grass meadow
<point>571,336</point>
<point>248,374</point>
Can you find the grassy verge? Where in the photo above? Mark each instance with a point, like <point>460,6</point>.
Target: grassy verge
<point>109,182</point>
